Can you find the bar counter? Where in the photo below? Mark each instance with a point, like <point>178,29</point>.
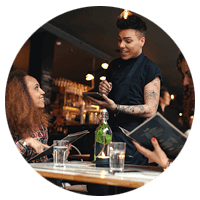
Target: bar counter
<point>132,177</point>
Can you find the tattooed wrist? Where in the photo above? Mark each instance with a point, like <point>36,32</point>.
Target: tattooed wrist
<point>137,110</point>
<point>116,111</point>
<point>124,109</point>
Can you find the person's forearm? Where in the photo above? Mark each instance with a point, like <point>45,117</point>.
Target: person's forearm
<point>138,110</point>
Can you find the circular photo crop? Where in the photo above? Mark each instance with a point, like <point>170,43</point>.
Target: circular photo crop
<point>89,82</point>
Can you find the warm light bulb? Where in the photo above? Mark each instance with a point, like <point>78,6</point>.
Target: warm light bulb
<point>172,96</point>
<point>58,43</point>
<point>89,77</point>
<point>125,14</point>
<point>180,114</point>
<point>102,78</point>
<point>104,65</point>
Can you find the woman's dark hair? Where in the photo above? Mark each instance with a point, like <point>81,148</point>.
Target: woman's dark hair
<point>162,91</point>
<point>132,22</point>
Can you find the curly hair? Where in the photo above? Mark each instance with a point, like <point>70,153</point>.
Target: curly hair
<point>22,115</point>
<point>188,95</point>
<point>132,22</point>
<point>178,64</point>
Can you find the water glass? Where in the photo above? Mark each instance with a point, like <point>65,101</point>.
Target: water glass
<point>117,156</point>
<point>60,152</point>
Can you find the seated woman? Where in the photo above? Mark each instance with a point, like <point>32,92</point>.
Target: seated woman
<point>26,119</point>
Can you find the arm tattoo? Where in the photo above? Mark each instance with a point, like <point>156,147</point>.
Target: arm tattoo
<point>141,107</point>
<point>151,97</point>
<point>132,109</point>
<point>150,94</point>
<point>155,106</point>
<point>156,83</point>
<point>126,109</point>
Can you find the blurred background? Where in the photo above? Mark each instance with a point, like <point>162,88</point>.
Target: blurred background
<point>64,50</point>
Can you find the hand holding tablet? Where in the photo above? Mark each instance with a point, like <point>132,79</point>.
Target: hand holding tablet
<point>95,95</point>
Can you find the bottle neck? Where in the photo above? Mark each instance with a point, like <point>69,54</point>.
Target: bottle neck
<point>104,121</point>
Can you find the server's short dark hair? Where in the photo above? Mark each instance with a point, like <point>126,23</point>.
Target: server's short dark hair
<point>132,22</point>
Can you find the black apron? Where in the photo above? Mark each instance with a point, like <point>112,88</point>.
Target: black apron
<point>120,95</point>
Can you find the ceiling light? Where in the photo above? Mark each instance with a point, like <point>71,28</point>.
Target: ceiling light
<point>172,96</point>
<point>102,78</point>
<point>58,43</point>
<point>89,77</point>
<point>125,14</point>
<point>104,65</point>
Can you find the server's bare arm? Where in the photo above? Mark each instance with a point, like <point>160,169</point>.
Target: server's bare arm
<point>151,100</point>
<point>149,108</point>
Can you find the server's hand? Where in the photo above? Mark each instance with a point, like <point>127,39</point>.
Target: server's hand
<point>105,87</point>
<point>108,103</point>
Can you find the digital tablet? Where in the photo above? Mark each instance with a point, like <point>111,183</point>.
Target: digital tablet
<point>72,137</point>
<point>95,95</point>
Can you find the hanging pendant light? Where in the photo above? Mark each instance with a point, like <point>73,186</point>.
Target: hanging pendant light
<point>89,77</point>
<point>103,78</point>
<point>104,65</point>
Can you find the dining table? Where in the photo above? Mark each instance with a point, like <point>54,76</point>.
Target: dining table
<point>133,176</point>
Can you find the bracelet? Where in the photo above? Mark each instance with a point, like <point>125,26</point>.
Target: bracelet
<point>24,144</point>
<point>116,111</point>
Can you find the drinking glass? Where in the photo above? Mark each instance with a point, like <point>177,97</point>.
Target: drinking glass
<point>60,152</point>
<point>117,156</point>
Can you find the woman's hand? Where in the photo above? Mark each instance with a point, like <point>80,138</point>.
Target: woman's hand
<point>158,155</point>
<point>105,87</point>
<point>35,144</point>
<point>108,103</point>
